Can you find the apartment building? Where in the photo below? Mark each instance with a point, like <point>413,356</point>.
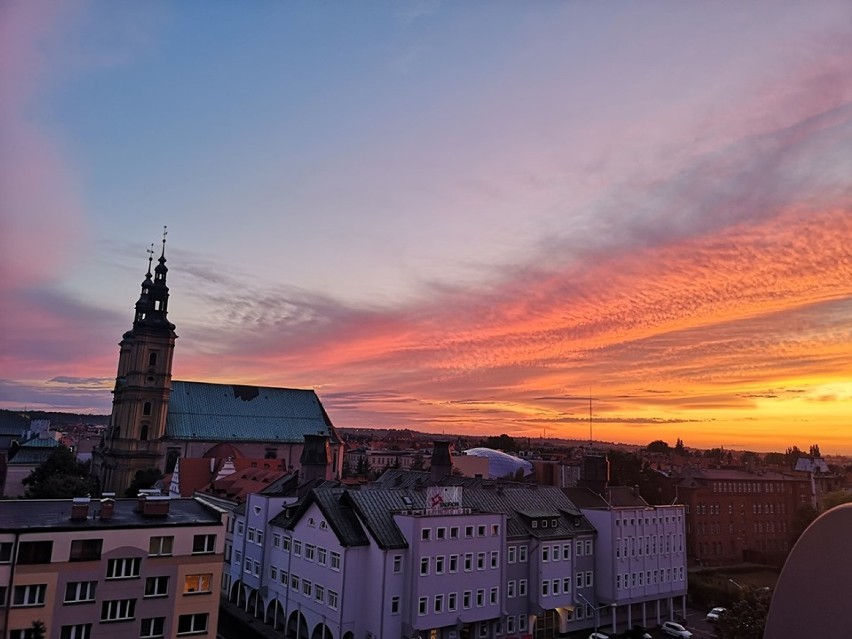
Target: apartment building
<point>640,559</point>
<point>149,567</point>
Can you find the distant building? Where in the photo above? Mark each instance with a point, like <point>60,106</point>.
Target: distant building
<point>147,567</point>
<point>156,420</point>
<point>24,459</point>
<point>737,515</point>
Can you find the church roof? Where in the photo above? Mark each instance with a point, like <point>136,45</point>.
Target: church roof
<point>227,412</point>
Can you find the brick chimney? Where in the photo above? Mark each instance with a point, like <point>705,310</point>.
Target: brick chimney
<point>152,503</point>
<point>315,458</point>
<point>107,506</point>
<point>442,461</point>
<point>80,508</point>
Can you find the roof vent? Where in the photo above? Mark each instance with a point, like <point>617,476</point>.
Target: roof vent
<point>107,506</point>
<point>152,503</point>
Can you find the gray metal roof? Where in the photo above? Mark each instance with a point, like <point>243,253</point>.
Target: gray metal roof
<point>226,412</point>
<point>354,513</point>
<point>55,514</point>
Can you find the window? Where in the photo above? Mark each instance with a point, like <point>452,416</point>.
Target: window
<point>284,577</point>
<point>510,624</point>
<point>439,603</point>
<point>192,624</point>
<point>545,588</point>
<point>197,583</point>
<point>77,631</point>
<point>510,588</point>
<point>79,591</point>
<point>480,561</point>
<point>203,544</point>
<point>240,528</point>
<point>578,580</point>
<point>495,559</point>
<point>492,595</point>
<point>522,554</point>
<point>422,605</point>
<point>160,546</point>
<point>319,593</point>
<point>545,553</point>
<point>522,588</point>
<point>397,564</point>
<point>452,601</point>
<point>307,587</point>
<point>439,565</point>
<point>468,531</point>
<point>310,552</point>
<point>512,554</point>
<point>588,547</point>
<point>441,533</point>
<point>480,531</point>
<point>273,573</point>
<point>250,535</point>
<point>579,549</point>
<point>152,358</point>
<point>35,552</point>
<point>589,578</point>
<point>152,627</point>
<point>86,550</point>
<point>6,552</point>
<point>522,622</point>
<point>454,563</point>
<point>332,599</point>
<point>335,560</point>
<point>566,551</point>
<point>118,610</point>
<point>554,586</point>
<point>495,529</point>
<point>468,561</point>
<point>394,610</point>
<point>454,532</point>
<point>294,582</point>
<point>29,595</point>
<point>276,540</point>
<point>125,568</point>
<point>480,597</point>
<point>424,566</point>
<point>156,586</point>
<point>285,543</point>
<point>466,599</point>
<point>322,555</point>
<point>425,534</point>
<point>566,585</point>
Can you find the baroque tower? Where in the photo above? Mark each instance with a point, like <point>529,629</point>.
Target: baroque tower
<point>142,387</point>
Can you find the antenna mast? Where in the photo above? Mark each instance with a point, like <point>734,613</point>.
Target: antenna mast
<point>590,417</point>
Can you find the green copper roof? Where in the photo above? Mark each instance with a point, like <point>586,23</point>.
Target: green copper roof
<point>226,412</point>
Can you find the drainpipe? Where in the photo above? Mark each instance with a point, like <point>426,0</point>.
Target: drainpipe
<point>8,606</point>
<point>384,583</point>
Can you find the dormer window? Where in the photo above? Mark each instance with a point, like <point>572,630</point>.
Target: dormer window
<point>554,523</point>
<point>544,523</point>
<point>535,523</point>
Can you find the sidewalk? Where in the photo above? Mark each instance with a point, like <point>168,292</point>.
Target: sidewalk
<point>233,619</point>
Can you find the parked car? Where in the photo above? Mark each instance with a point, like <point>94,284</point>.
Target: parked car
<point>673,629</point>
<point>716,614</point>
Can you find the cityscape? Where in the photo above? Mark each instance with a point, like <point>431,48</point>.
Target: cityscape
<point>425,320</point>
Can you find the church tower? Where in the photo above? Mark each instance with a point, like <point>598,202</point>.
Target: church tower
<point>142,387</point>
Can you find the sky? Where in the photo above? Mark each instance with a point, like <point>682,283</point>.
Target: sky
<point>457,217</point>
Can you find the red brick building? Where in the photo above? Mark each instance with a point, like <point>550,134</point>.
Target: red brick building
<point>738,515</point>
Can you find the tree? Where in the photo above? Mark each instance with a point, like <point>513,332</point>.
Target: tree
<point>775,459</point>
<point>145,478</point>
<point>503,442</point>
<point>835,498</point>
<point>658,446</point>
<point>36,631</point>
<point>802,518</point>
<point>679,448</point>
<point>815,451</point>
<point>792,454</point>
<point>60,476</point>
<point>747,617</point>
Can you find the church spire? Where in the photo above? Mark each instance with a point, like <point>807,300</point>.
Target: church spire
<point>152,307</point>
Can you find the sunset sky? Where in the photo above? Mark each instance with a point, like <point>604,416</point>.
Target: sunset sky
<point>459,217</point>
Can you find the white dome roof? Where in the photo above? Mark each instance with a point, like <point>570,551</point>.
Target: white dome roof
<point>501,464</point>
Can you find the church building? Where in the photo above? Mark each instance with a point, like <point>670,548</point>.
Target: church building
<point>155,420</point>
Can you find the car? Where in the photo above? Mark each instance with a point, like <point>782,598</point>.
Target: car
<point>598,635</point>
<point>673,629</point>
<point>716,613</point>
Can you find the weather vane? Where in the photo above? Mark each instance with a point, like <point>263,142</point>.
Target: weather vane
<point>150,252</point>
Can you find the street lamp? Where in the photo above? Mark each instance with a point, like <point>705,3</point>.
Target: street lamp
<point>597,609</point>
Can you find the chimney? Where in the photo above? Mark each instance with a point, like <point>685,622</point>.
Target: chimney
<point>80,508</point>
<point>315,458</point>
<point>152,503</point>
<point>107,506</point>
<point>442,461</point>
